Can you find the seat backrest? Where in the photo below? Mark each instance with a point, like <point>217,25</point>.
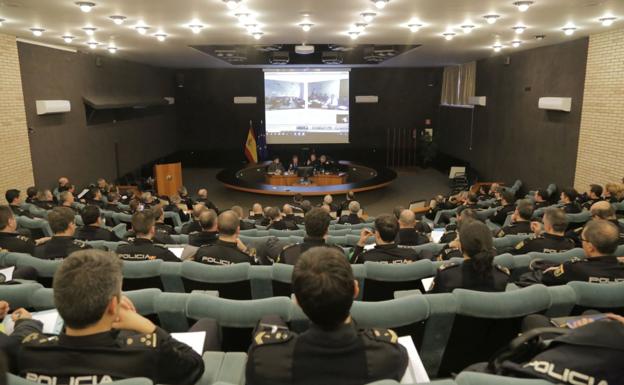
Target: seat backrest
<point>16,380</point>
<point>45,268</point>
<point>485,214</point>
<point>142,275</point>
<point>105,245</point>
<point>281,279</point>
<point>382,279</point>
<point>230,281</point>
<point>606,298</point>
<point>34,224</point>
<point>473,378</point>
<point>509,241</point>
<point>19,295</point>
<point>286,233</point>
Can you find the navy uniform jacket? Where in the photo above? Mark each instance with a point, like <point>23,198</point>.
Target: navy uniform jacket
<point>448,253</point>
<point>464,276</point>
<point>572,208</point>
<point>17,243</point>
<point>389,253</point>
<point>59,247</point>
<point>353,219</point>
<point>141,249</point>
<point>523,227</point>
<point>545,243</point>
<point>222,253</point>
<point>594,270</point>
<point>411,237</point>
<point>501,214</point>
<point>345,356</point>
<point>95,233</point>
<point>290,254</point>
<point>575,234</point>
<point>202,238</point>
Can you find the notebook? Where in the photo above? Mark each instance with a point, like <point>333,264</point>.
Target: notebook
<point>6,275</point>
<point>193,339</point>
<point>52,322</point>
<point>415,373</point>
<point>437,234</point>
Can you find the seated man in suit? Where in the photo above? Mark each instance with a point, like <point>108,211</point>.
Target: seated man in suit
<point>408,235</point>
<point>294,164</point>
<point>209,234</point>
<point>63,225</point>
<point>313,162</point>
<point>520,220</point>
<point>228,249</point>
<point>276,167</point>
<point>92,229</point>
<point>141,247</point>
<point>333,350</point>
<point>202,197</point>
<point>328,200</point>
<point>290,218</point>
<point>550,238</point>
<point>386,250</point>
<point>104,338</point>
<point>508,205</point>
<point>353,217</point>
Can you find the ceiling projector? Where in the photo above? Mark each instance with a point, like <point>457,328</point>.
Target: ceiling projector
<point>304,49</point>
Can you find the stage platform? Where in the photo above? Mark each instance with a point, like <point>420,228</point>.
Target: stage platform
<point>356,177</point>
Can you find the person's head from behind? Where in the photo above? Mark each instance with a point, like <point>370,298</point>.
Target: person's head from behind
<point>327,199</point>
<point>95,194</point>
<point>13,197</point>
<point>62,221</point>
<point>555,221</point>
<point>600,238</point>
<point>87,289</point>
<point>595,191</point>
<point>257,209</point>
<point>198,208</point>
<point>524,211</point>
<point>228,224</point>
<point>507,197</point>
<point>354,208</point>
<point>317,223</point>
<point>8,224</point>
<point>477,245</point>
<point>143,224</point>
<point>31,192</point>
<point>306,206</point>
<point>324,286</point>
<point>202,193</point>
<point>603,210</point>
<point>274,214</point>
<point>287,209</point>
<point>541,196</point>
<point>44,196</point>
<point>407,219</point>
<point>91,216</point>
<point>208,220</point>
<point>239,211</point>
<point>159,214</point>
<point>66,198</point>
<point>464,214</point>
<point>386,229</point>
<point>569,195</point>
<point>298,198</point>
<point>147,197</point>
<point>113,198</point>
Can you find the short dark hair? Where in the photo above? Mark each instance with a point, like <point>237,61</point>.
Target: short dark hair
<point>604,235</point>
<point>465,214</point>
<point>476,242</point>
<point>508,197</point>
<point>557,218</point>
<point>11,195</point>
<point>543,194</point>
<point>571,193</point>
<point>324,286</point>
<point>525,209</point>
<point>60,218</point>
<point>273,213</point>
<point>228,223</point>
<point>596,189</point>
<point>306,206</point>
<point>84,285</point>
<point>5,214</point>
<point>298,197</point>
<point>90,214</point>
<point>387,226</point>
<point>208,218</point>
<point>316,222</point>
<point>143,221</point>
<point>31,192</point>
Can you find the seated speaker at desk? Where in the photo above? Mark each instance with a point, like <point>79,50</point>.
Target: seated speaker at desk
<point>275,167</point>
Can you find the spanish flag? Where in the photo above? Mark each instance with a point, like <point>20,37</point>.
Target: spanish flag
<point>251,150</point>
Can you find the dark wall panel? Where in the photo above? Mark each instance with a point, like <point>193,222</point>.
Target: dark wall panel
<point>511,137</point>
<point>64,144</point>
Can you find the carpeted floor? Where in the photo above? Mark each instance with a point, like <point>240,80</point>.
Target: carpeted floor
<point>411,184</point>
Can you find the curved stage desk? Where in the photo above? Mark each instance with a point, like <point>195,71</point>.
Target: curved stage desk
<point>352,177</point>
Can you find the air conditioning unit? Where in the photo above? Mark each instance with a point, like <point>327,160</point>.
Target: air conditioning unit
<point>330,57</point>
<point>555,104</point>
<point>477,100</point>
<point>281,57</point>
<point>304,49</point>
<point>367,99</point>
<point>45,107</point>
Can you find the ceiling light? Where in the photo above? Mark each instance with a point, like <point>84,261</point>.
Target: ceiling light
<point>380,4</point>
<point>111,48</point>
<point>251,27</point>
<point>118,19</point>
<point>2,21</point>
<point>37,31</point>
<point>449,35</point>
<point>519,29</point>
<point>497,47</point>
<point>491,19</point>
<point>540,37</point>
<point>606,21</point>
<point>196,28</point>
<point>142,29</point>
<point>516,43</point>
<point>85,6</point>
<point>161,36</point>
<point>306,26</point>
<point>257,35</point>
<point>353,34</point>
<point>89,30</point>
<point>92,44</point>
<point>232,4</point>
<point>414,27</point>
<point>68,38</point>
<point>467,28</point>
<point>242,17</point>
<point>523,6</point>
<point>360,26</point>
<point>569,31</point>
<point>368,16</point>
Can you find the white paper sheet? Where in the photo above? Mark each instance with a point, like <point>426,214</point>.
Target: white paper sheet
<point>6,275</point>
<point>177,251</point>
<point>415,373</point>
<point>436,235</point>
<point>52,322</point>
<point>427,282</point>
<point>193,339</point>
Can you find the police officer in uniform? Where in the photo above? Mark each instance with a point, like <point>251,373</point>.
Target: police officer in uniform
<point>463,213</point>
<point>408,235</point>
<point>92,229</point>
<point>552,240</point>
<point>228,249</point>
<point>541,199</point>
<point>599,210</point>
<point>385,250</point>
<point>477,272</point>
<point>290,218</point>
<point>520,220</point>
<point>209,234</point>
<point>332,351</point>
<point>594,195</point>
<point>316,226</point>
<point>11,240</point>
<point>600,240</point>
<point>507,206</point>
<point>63,225</point>
<point>142,248</point>
<point>105,337</point>
<point>194,224</point>
<point>14,199</point>
<point>570,205</point>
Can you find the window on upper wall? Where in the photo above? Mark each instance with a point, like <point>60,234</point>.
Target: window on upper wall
<point>458,84</point>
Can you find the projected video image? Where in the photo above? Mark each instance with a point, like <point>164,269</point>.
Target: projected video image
<point>307,107</point>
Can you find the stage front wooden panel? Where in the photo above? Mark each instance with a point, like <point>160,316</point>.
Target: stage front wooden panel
<point>168,178</point>
<point>317,180</point>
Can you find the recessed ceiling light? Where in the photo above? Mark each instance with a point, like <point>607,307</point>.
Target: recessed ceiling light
<point>540,37</point>
<point>242,16</point>
<point>160,36</point>
<point>257,35</point>
<point>380,4</point>
<point>306,26</point>
<point>360,26</point>
<point>569,30</point>
<point>85,6</point>
<point>68,38</point>
<point>232,4</point>
<point>414,27</point>
<point>251,27</point>
<point>353,34</point>
<point>607,21</point>
<point>491,18</point>
<point>467,28</point>
<point>523,6</point>
<point>196,28</point>
<point>449,35</point>
<point>368,16</point>
<point>497,47</point>
<point>37,31</point>
<point>516,43</point>
<point>519,29</point>
<point>89,30</point>
<point>2,21</point>
<point>92,44</point>
<point>111,48</point>
<point>118,19</point>
<point>142,29</point>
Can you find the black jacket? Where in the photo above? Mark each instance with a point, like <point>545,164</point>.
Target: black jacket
<point>353,219</point>
<point>389,253</point>
<point>17,243</point>
<point>517,228</point>
<point>594,270</point>
<point>572,208</point>
<point>202,238</point>
<point>222,253</point>
<point>59,247</point>
<point>191,227</point>
<point>141,249</point>
<point>95,233</point>
<point>464,276</point>
<point>411,237</point>
<point>290,254</point>
<point>501,214</point>
<point>545,243</point>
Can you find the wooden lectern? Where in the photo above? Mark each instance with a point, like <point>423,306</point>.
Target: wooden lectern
<point>168,178</point>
